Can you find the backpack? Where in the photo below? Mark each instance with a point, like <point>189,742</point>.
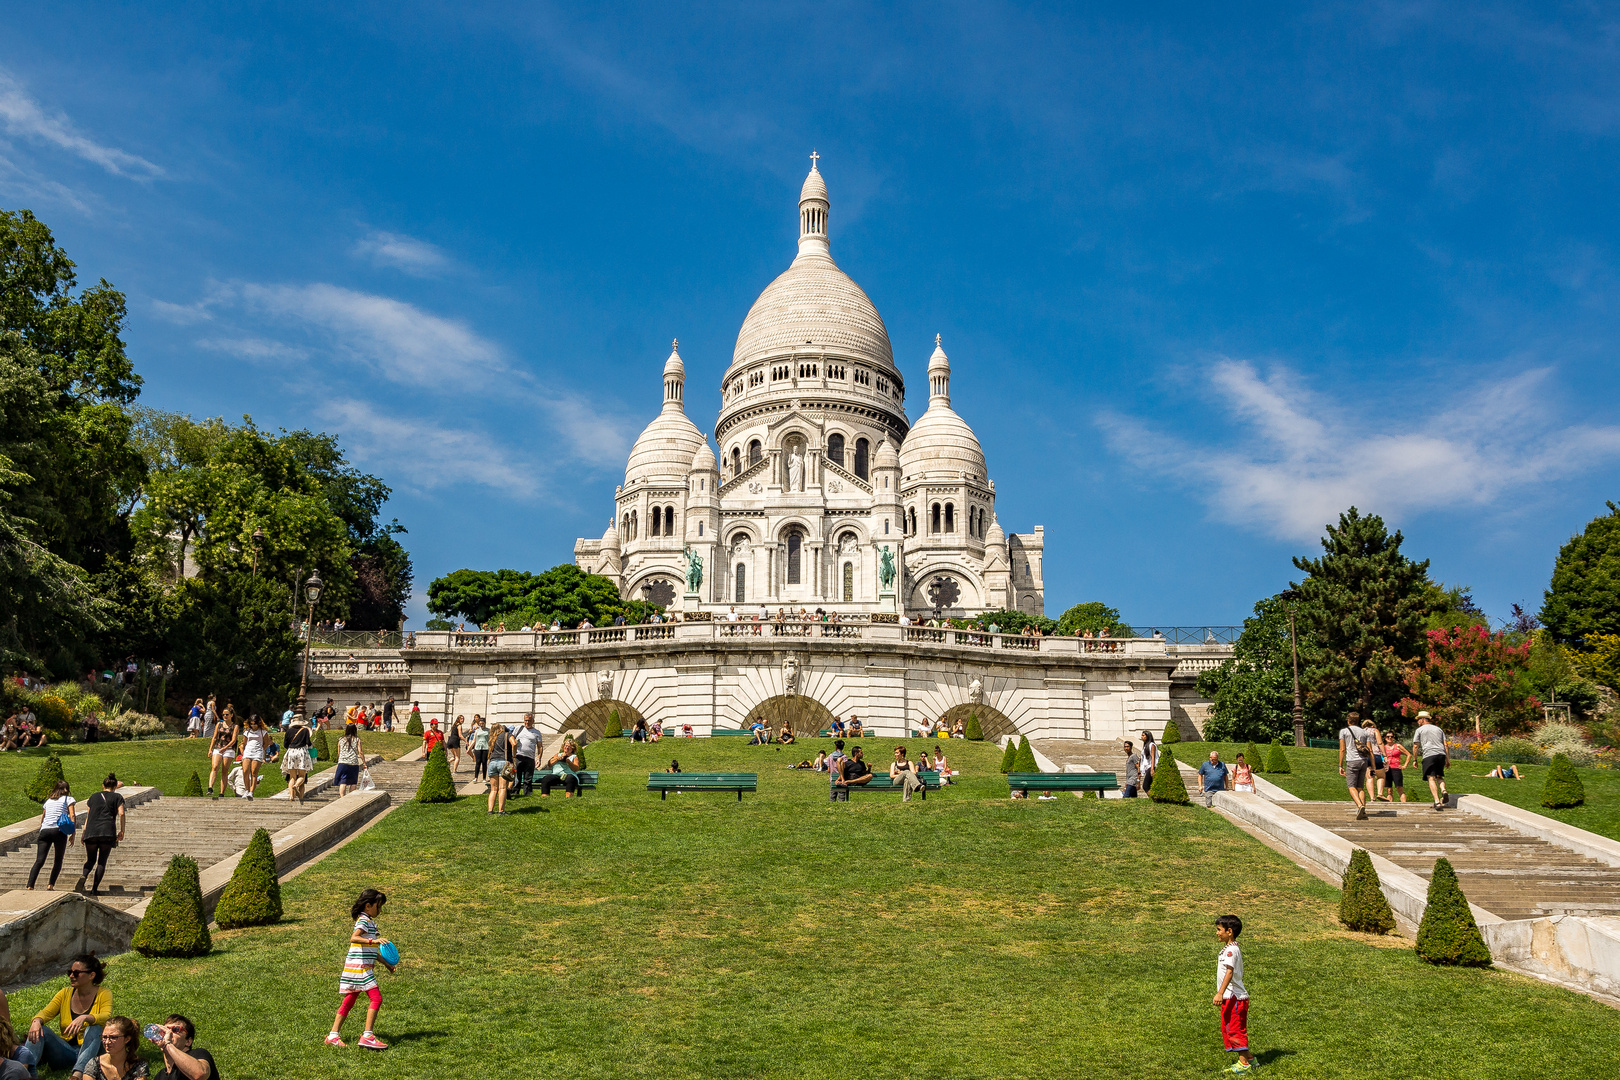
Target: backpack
<point>1361,741</point>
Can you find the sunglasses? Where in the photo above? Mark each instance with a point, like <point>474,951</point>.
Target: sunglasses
<point>75,972</point>
<point>108,1036</point>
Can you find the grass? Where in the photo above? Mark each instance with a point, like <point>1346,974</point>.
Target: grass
<point>163,763</point>
<point>1316,776</point>
<point>618,935</point>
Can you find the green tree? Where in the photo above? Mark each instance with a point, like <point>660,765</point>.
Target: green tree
<point>1172,733</point>
<point>1168,786</point>
<point>175,924</point>
<point>1448,933</point>
<point>1009,754</point>
<point>1583,597</point>
<point>1472,677</point>
<point>323,747</point>
<point>1251,755</point>
<point>1277,761</point>
<point>253,895</point>
<point>45,780</point>
<point>971,730</point>
<point>1365,604</point>
<point>193,788</point>
<point>231,638</point>
<point>436,785</point>
<point>1094,616</point>
<point>1024,761</point>
<point>613,729</point>
<point>413,726</point>
<point>1362,906</point>
<point>1013,622</point>
<point>1563,787</point>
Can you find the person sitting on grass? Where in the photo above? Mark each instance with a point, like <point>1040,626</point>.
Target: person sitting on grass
<point>958,730</point>
<point>120,1057</point>
<point>1502,772</point>
<point>561,769</point>
<point>762,734</point>
<point>181,1060</point>
<point>33,734</point>
<point>820,764</point>
<point>79,1009</point>
<point>785,736</point>
<point>674,766</point>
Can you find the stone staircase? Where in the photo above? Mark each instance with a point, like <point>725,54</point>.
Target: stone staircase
<point>1505,872</point>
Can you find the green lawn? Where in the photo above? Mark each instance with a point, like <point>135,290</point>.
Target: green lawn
<point>161,763</point>
<point>966,937</point>
<point>1316,776</point>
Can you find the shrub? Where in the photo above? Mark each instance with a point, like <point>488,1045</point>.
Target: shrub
<point>1564,788</point>
<point>54,713</point>
<point>130,725</point>
<point>1277,760</point>
<point>1448,934</point>
<point>579,748</point>
<point>193,789</point>
<point>1516,751</point>
<point>175,924</point>
<point>1172,733</point>
<point>1251,754</point>
<point>50,771</point>
<point>1556,737</point>
<point>1362,906</point>
<point>1009,754</point>
<point>1168,786</point>
<point>253,897</point>
<point>971,730</point>
<point>1024,762</point>
<point>437,785</point>
<point>413,726</point>
<point>323,749</point>
<point>614,728</point>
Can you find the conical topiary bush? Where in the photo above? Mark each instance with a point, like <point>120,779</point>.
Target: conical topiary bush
<point>1362,906</point>
<point>971,730</point>
<point>1564,788</point>
<point>45,781</point>
<point>1168,786</point>
<point>1009,754</point>
<point>1276,760</point>
<point>1251,754</point>
<point>193,788</point>
<point>579,748</point>
<point>253,897</point>
<point>1448,933</point>
<point>1172,733</point>
<point>323,749</point>
<point>414,725</point>
<point>175,924</point>
<point>436,785</point>
<point>614,728</point>
<point>1024,762</point>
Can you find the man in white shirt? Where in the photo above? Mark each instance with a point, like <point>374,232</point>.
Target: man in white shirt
<point>1429,746</point>
<point>528,739</point>
<point>1355,758</point>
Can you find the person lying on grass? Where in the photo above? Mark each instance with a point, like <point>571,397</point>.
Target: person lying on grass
<point>1502,772</point>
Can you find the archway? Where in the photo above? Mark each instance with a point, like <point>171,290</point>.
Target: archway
<point>593,717</point>
<point>807,715</point>
<point>993,722</point>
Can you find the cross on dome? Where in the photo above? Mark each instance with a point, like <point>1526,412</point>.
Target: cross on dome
<point>814,157</point>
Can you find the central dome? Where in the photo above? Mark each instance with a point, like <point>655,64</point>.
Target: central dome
<point>813,303</point>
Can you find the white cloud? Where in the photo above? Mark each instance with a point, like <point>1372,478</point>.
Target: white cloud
<point>23,116</point>
<point>426,455</point>
<point>399,341</point>
<point>256,349</point>
<point>416,257</point>
<point>1297,460</point>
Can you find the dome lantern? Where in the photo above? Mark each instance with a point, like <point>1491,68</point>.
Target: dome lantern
<point>939,375</point>
<point>813,207</point>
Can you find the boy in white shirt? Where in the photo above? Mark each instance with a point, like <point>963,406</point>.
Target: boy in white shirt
<point>1231,996</point>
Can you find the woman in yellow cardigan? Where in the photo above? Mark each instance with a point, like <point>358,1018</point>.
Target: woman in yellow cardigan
<point>79,1009</point>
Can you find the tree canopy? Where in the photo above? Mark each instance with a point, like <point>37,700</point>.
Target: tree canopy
<point>518,598</point>
<point>1253,693</point>
<point>1093,616</point>
<point>1583,597</point>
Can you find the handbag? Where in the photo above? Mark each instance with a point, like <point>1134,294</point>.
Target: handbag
<point>65,824</point>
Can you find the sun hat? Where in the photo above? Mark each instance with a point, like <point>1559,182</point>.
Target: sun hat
<point>1424,715</point>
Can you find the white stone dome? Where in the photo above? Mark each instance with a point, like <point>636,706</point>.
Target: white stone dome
<point>885,457</point>
<point>665,448</point>
<point>704,459</point>
<point>940,442</point>
<point>610,538</point>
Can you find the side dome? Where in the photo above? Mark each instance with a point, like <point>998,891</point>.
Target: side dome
<point>940,442</point>
<point>885,457</point>
<point>704,460</point>
<point>610,538</point>
<point>664,450</point>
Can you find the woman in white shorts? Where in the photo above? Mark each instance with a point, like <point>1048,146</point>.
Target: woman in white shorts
<point>221,753</point>
<point>254,738</point>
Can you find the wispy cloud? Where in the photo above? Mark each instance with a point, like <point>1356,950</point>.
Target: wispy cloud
<point>255,349</point>
<point>1297,459</point>
<point>24,117</point>
<point>396,340</point>
<point>407,253</point>
<point>428,456</point>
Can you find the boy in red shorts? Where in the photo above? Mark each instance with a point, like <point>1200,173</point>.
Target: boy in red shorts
<point>1231,995</point>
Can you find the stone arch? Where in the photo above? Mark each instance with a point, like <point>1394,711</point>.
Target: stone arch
<point>992,721</point>
<point>806,713</point>
<point>593,717</point>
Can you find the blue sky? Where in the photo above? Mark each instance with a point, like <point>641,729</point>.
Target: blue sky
<point>1206,278</point>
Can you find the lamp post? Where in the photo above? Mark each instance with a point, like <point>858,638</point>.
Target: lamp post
<point>312,591</point>
<point>1289,597</point>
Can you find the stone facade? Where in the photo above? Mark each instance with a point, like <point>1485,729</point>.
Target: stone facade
<point>821,480</point>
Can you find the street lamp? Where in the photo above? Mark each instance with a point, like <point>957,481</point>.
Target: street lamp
<point>312,591</point>
<point>1290,596</point>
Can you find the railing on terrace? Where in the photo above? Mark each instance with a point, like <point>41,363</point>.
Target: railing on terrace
<point>1197,635</point>
<point>354,639</point>
<point>339,668</point>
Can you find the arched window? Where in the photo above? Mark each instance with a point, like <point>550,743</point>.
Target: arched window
<point>657,520</point>
<point>885,526</point>
<point>624,527</point>
<point>700,528</point>
<point>736,461</point>
<point>933,526</point>
<point>849,582</point>
<point>754,452</point>
<point>742,583</point>
<point>794,545</point>
<point>861,446</point>
<point>669,521</point>
<point>950,517</point>
<point>635,524</point>
<point>911,524</point>
<point>835,449</point>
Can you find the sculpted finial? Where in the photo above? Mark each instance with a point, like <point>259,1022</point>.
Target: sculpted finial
<point>814,157</point>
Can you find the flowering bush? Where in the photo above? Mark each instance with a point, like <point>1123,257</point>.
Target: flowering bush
<point>1472,678</point>
<point>130,725</point>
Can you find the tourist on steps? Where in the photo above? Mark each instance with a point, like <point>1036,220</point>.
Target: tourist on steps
<point>297,761</point>
<point>103,830</point>
<point>1150,760</point>
<point>1355,758</point>
<point>1394,780</point>
<point>349,756</point>
<point>452,744</point>
<point>1133,771</point>
<point>51,837</point>
<point>1216,776</point>
<point>221,755</point>
<point>1429,747</point>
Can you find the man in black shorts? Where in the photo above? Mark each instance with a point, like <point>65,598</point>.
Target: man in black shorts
<point>1429,745</point>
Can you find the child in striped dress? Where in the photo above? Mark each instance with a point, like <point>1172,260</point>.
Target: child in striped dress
<point>360,969</point>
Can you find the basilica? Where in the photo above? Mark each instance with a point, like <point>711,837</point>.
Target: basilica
<point>823,494</point>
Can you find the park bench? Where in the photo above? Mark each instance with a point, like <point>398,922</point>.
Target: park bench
<point>1069,781</point>
<point>587,778</point>
<point>731,733</point>
<point>664,783</point>
<point>881,782</point>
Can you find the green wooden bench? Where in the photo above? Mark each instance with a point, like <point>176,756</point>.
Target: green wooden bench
<point>587,778</point>
<point>1069,781</point>
<point>664,783</point>
<point>882,782</point>
<point>731,733</point>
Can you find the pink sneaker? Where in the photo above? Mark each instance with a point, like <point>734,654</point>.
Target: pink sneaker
<point>371,1042</point>
<point>334,1039</point>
